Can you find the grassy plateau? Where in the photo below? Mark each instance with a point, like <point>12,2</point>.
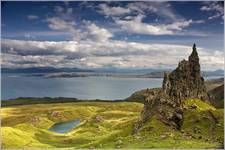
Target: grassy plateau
<point>108,125</point>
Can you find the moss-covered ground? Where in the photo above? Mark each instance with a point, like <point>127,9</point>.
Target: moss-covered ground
<point>108,125</point>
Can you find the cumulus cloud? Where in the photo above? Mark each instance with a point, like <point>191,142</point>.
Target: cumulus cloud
<point>136,25</point>
<point>113,11</point>
<point>57,23</point>
<point>215,7</point>
<point>67,26</point>
<point>64,21</point>
<point>18,61</point>
<point>130,8</point>
<point>93,45</point>
<point>134,8</point>
<point>130,18</point>
<point>127,18</point>
<point>98,33</point>
<point>89,31</point>
<point>142,7</point>
<point>102,54</point>
<point>161,9</point>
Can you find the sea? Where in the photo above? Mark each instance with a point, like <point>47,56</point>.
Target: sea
<point>86,88</point>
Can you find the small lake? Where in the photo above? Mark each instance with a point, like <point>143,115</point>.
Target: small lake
<point>64,127</point>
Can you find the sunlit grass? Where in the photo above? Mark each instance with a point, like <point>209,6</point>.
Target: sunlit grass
<point>104,125</point>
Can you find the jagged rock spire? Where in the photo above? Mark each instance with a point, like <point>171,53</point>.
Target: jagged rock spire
<point>181,84</point>
<point>194,55</point>
<point>194,51</point>
<point>186,81</point>
<point>167,103</point>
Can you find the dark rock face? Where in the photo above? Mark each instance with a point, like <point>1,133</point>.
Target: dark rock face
<point>167,103</point>
<point>186,81</point>
<point>158,103</point>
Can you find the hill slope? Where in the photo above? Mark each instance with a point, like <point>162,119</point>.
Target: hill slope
<point>217,96</point>
<point>108,125</point>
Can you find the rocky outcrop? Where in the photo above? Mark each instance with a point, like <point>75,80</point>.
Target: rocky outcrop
<point>158,103</point>
<point>186,80</point>
<point>166,103</point>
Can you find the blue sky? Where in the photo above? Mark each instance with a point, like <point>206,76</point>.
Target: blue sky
<point>111,34</point>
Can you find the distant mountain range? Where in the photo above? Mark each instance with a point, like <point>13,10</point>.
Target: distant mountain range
<point>128,70</point>
<point>42,70</point>
<point>74,72</point>
<point>58,70</point>
<point>204,73</point>
<point>213,73</point>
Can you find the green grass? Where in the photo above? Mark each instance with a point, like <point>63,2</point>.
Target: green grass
<point>105,125</point>
<point>201,106</point>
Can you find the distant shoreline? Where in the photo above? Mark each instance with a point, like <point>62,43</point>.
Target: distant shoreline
<point>159,74</point>
<point>47,100</point>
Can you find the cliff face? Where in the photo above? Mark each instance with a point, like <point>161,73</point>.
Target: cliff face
<point>167,103</point>
<point>185,81</point>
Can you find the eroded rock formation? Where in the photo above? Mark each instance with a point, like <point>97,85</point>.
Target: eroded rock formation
<point>186,80</point>
<point>166,103</point>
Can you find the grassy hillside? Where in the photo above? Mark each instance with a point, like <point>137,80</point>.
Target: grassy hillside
<point>217,95</point>
<point>46,100</point>
<point>213,83</point>
<point>108,125</point>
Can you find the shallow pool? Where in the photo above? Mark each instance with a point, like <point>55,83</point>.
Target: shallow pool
<point>64,127</point>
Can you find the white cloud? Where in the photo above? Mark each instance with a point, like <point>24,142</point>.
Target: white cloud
<point>56,23</point>
<point>131,22</point>
<point>102,54</point>
<point>17,61</point>
<point>214,16</point>
<point>98,34</point>
<point>130,18</point>
<point>93,44</point>
<point>160,9</point>
<point>64,21</point>
<point>32,17</point>
<point>113,11</point>
<point>142,7</point>
<point>215,7</point>
<point>134,7</point>
<point>137,26</point>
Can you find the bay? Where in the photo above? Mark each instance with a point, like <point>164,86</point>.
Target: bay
<point>105,88</point>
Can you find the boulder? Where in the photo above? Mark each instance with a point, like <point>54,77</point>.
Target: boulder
<point>194,106</point>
